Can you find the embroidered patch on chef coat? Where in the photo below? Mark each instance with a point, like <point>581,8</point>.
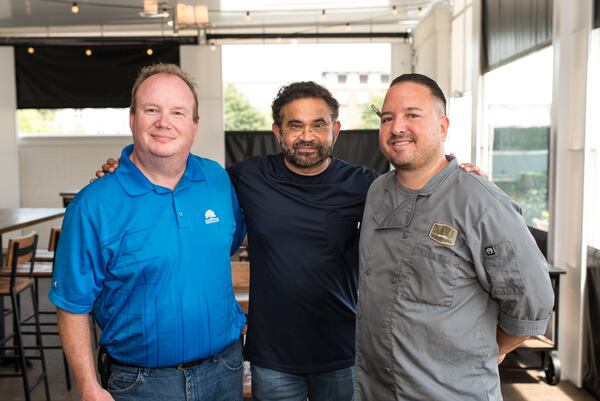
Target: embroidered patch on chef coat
<point>443,234</point>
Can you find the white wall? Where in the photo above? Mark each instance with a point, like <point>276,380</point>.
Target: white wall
<point>432,45</point>
<point>9,163</point>
<point>567,243</point>
<point>51,165</point>
<point>402,56</point>
<point>205,66</point>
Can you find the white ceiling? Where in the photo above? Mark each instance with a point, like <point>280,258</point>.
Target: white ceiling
<point>19,17</point>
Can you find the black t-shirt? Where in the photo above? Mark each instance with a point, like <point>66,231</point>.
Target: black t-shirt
<point>303,247</point>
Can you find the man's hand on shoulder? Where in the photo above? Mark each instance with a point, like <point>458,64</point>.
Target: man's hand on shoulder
<point>471,168</point>
<point>109,167</point>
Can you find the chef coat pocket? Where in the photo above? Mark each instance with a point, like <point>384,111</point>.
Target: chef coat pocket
<point>342,232</point>
<point>431,277</point>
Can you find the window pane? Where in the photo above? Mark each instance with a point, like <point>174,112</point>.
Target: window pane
<point>73,122</point>
<point>355,82</point>
<point>518,97</point>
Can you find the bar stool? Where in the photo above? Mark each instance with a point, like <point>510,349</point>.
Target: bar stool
<point>42,269</point>
<point>21,251</point>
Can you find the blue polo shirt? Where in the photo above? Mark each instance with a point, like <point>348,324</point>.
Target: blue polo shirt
<point>152,264</point>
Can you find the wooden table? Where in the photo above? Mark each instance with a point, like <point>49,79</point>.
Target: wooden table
<point>17,218</point>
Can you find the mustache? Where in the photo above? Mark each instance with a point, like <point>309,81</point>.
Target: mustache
<point>305,144</point>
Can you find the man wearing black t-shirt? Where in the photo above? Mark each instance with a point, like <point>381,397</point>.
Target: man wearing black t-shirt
<point>303,209</point>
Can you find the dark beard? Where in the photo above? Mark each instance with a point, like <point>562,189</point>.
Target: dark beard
<point>301,161</point>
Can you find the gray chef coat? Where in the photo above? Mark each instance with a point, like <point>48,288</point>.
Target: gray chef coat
<point>440,268</point>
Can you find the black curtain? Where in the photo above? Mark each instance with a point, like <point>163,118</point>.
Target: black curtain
<point>514,28</point>
<point>596,13</point>
<point>64,77</point>
<point>353,146</point>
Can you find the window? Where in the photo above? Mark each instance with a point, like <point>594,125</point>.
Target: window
<point>268,67</point>
<point>518,97</point>
<point>363,78</point>
<point>592,173</point>
<point>73,122</point>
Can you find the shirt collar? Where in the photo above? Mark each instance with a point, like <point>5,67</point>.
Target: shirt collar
<point>389,215</point>
<point>431,185</point>
<point>135,183</point>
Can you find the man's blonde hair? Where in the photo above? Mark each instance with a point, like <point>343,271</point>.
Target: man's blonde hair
<point>168,69</point>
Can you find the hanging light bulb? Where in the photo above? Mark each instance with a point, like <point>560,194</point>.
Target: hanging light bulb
<point>323,15</point>
<point>213,46</point>
<point>30,50</point>
<point>348,27</point>
<point>279,39</point>
<point>247,17</point>
<point>88,52</point>
<point>394,10</point>
<point>74,8</point>
<point>149,51</point>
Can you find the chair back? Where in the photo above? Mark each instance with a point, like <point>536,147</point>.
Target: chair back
<point>21,250</point>
<point>53,241</point>
<point>53,244</point>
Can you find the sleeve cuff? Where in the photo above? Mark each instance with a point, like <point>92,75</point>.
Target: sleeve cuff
<point>518,327</point>
<point>68,306</point>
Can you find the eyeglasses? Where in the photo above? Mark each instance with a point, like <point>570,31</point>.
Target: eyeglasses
<point>319,127</point>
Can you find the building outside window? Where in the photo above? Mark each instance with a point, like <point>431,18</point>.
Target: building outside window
<point>518,98</point>
<point>249,91</point>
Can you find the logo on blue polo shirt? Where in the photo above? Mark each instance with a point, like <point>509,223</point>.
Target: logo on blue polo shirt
<point>210,217</point>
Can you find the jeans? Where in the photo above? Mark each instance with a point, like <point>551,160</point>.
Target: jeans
<point>216,379</point>
<point>272,385</point>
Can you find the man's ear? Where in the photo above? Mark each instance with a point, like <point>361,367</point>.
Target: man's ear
<point>444,124</point>
<point>131,117</point>
<point>276,132</point>
<point>337,126</point>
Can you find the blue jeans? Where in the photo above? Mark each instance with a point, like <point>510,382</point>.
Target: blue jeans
<point>216,379</point>
<point>272,385</point>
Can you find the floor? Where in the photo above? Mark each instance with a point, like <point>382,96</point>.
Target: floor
<point>516,386</point>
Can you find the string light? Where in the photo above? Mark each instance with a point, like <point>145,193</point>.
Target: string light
<point>323,15</point>
<point>394,10</point>
<point>88,52</point>
<point>30,50</point>
<point>348,27</point>
<point>149,51</point>
<point>74,8</point>
<point>247,17</point>
<point>279,39</point>
<point>213,47</point>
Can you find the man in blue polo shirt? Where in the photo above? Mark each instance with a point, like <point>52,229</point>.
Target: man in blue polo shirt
<point>146,251</point>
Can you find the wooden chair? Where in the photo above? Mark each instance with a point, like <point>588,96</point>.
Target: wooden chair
<point>43,255</point>
<point>37,271</point>
<point>21,253</point>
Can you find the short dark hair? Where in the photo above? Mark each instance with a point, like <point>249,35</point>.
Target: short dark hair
<point>425,81</point>
<point>302,90</point>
